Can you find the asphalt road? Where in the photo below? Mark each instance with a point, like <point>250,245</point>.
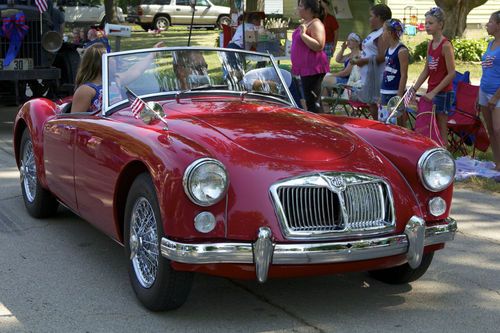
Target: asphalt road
<point>62,275</point>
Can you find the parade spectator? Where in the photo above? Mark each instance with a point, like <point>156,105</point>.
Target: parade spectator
<point>373,57</point>
<point>88,82</point>
<point>439,68</point>
<point>253,22</point>
<point>307,56</point>
<point>97,36</point>
<point>331,28</point>
<point>353,42</point>
<point>397,58</point>
<point>489,93</point>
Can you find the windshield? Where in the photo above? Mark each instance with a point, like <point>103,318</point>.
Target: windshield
<point>165,71</point>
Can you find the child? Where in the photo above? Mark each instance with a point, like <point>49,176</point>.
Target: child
<point>372,58</point>
<point>396,64</point>
<point>439,68</point>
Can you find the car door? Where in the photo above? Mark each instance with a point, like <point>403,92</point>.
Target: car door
<point>58,158</point>
<point>203,13</point>
<point>98,162</point>
<point>182,12</point>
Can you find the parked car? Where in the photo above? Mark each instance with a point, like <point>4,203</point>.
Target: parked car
<point>161,14</point>
<point>83,13</point>
<point>212,169</point>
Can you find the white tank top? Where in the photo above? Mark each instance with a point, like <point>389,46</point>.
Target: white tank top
<point>369,49</point>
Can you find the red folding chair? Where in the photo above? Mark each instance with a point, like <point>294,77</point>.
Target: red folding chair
<point>465,127</point>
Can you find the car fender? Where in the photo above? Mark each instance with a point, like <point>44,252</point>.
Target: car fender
<point>403,148</point>
<point>33,115</point>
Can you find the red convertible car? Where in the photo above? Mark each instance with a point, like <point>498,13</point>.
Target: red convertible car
<point>200,162</point>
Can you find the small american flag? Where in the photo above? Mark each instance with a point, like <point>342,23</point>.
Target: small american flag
<point>42,5</point>
<point>136,104</point>
<point>408,96</point>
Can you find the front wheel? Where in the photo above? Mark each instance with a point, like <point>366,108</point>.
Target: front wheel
<point>404,273</point>
<point>39,202</point>
<point>156,284</point>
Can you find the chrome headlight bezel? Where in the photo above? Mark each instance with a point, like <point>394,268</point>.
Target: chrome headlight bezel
<point>429,181</point>
<point>195,167</point>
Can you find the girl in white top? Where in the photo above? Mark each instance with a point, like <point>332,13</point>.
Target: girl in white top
<point>374,46</point>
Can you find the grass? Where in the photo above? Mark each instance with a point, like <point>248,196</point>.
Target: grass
<point>178,36</point>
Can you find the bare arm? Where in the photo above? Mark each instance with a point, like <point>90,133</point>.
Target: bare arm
<point>422,77</point>
<point>340,58</point>
<point>316,38</point>
<point>135,71</point>
<point>404,59</point>
<point>381,48</point>
<point>82,99</point>
<point>345,72</point>
<point>450,67</point>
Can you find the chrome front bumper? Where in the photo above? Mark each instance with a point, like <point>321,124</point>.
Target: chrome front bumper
<point>263,252</point>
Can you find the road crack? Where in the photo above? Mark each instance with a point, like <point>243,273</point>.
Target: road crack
<point>277,306</point>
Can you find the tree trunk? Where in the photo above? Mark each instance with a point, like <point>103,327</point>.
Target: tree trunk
<point>456,12</point>
<point>110,11</point>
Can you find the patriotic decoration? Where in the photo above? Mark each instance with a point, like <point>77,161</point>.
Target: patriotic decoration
<point>136,103</point>
<point>433,63</point>
<point>42,5</point>
<point>15,29</point>
<point>488,61</point>
<point>410,93</point>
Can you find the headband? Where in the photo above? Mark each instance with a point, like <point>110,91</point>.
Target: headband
<point>354,36</point>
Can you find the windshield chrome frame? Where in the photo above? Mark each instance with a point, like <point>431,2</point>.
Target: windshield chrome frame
<point>105,98</point>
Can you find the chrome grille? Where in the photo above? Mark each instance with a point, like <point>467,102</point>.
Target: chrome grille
<point>313,206</point>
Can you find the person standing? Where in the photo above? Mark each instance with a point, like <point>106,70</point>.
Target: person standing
<point>373,57</point>
<point>307,56</point>
<point>489,92</point>
<point>331,28</point>
<point>397,59</point>
<point>440,69</point>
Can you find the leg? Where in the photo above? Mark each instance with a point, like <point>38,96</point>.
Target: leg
<point>374,111</point>
<point>312,89</point>
<point>442,121</point>
<point>492,121</point>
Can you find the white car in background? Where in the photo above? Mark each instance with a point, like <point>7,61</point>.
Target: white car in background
<point>84,13</point>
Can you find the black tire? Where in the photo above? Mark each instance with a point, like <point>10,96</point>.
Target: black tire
<point>223,20</point>
<point>39,202</point>
<point>146,27</point>
<point>167,289</point>
<point>161,23</point>
<point>404,273</point>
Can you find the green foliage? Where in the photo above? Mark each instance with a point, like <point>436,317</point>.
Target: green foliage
<point>469,49</point>
<point>465,49</point>
<point>420,52</point>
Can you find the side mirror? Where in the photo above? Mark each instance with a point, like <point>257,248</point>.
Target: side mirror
<point>395,108</point>
<point>147,116</point>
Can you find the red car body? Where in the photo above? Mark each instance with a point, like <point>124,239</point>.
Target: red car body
<point>90,161</point>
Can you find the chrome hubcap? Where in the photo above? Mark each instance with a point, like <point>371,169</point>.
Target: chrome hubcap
<point>143,241</point>
<point>28,172</point>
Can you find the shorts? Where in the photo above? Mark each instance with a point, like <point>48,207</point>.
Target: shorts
<point>384,98</point>
<point>328,49</point>
<point>443,102</point>
<point>484,99</point>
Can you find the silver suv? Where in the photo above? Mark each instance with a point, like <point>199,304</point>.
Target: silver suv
<point>160,14</point>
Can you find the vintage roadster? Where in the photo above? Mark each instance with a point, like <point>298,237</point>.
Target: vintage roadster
<point>200,161</point>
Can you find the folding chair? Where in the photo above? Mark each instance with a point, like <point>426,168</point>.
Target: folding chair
<point>465,127</point>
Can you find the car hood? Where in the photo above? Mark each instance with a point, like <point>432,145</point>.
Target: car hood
<point>271,131</point>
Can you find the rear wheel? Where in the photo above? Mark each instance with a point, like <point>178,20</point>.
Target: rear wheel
<point>404,273</point>
<point>39,202</point>
<point>156,284</point>
<point>161,23</point>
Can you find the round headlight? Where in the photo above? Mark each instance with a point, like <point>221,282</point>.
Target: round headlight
<point>205,181</point>
<point>436,169</point>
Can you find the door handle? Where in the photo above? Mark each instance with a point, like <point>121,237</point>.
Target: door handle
<point>178,9</point>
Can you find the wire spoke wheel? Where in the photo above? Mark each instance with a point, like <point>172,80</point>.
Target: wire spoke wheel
<point>144,247</point>
<point>28,171</point>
